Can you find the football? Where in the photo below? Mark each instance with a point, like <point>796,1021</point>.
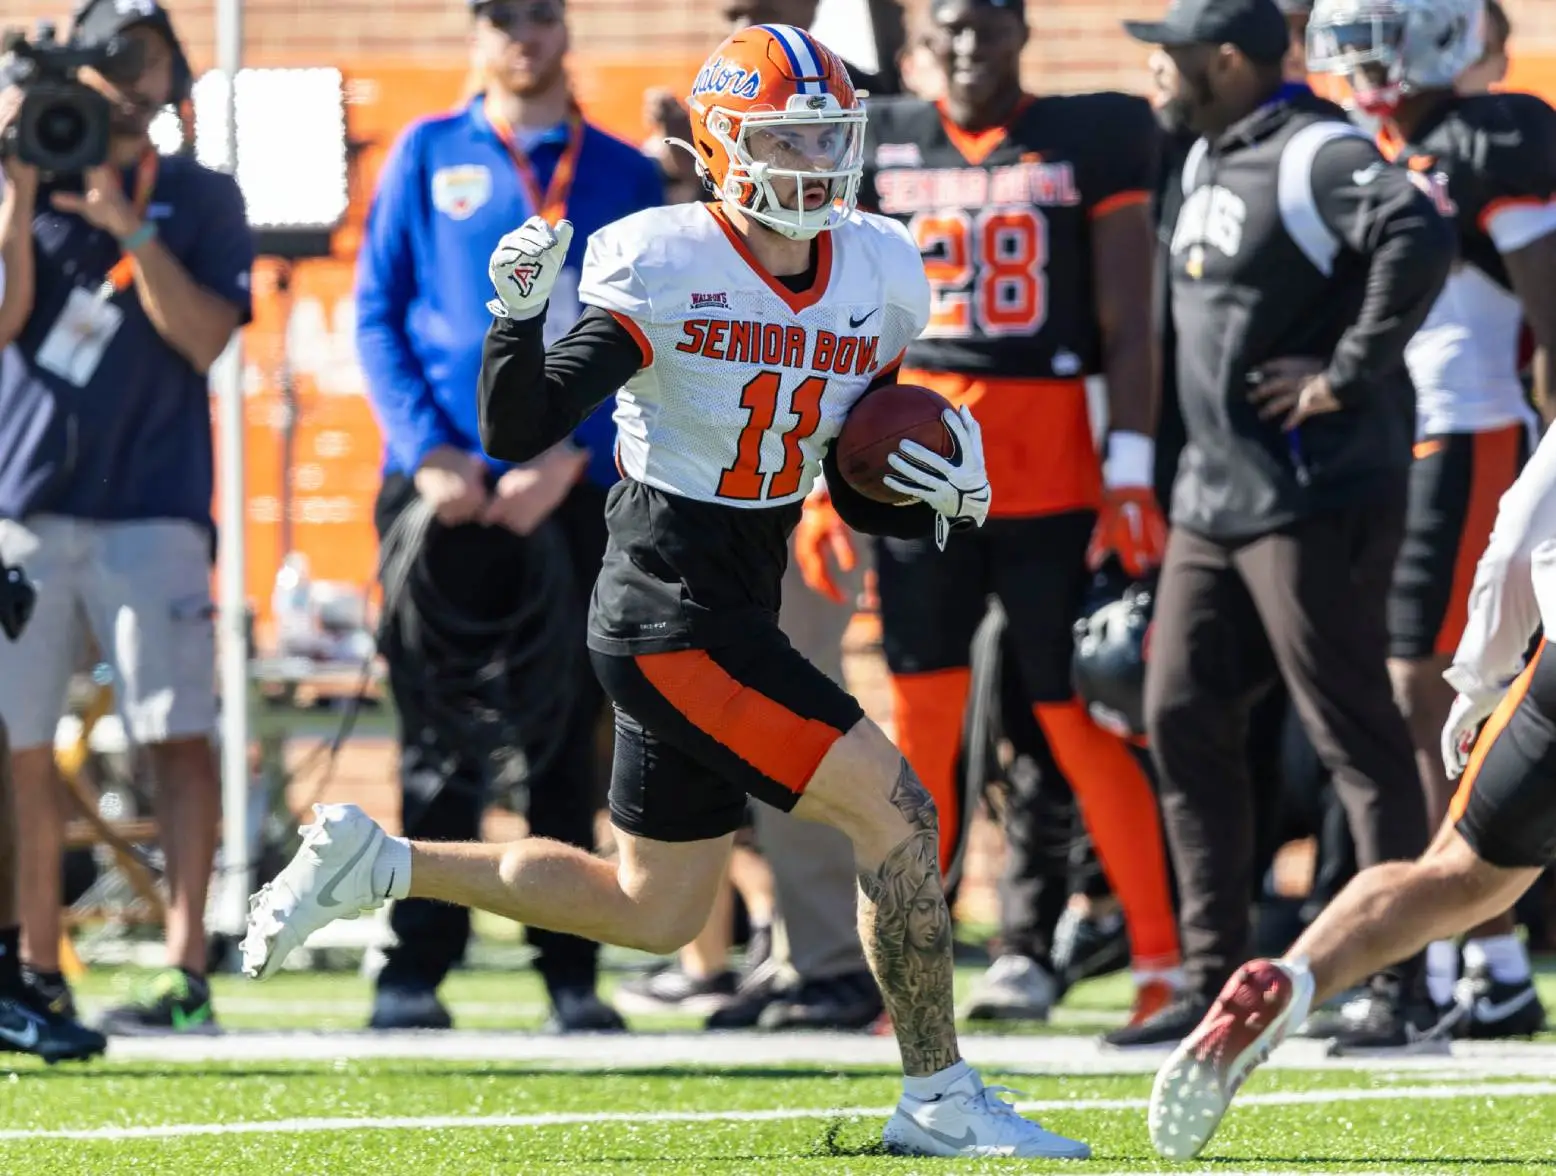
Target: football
<point>875,425</point>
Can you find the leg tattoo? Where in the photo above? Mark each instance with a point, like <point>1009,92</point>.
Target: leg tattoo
<point>905,926</point>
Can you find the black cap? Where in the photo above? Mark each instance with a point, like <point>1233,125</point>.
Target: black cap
<point>96,22</point>
<point>1257,28</point>
<point>1019,7</point>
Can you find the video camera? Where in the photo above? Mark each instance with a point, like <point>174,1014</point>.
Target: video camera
<point>63,126</point>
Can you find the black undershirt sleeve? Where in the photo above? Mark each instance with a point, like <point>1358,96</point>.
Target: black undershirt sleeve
<point>531,396</point>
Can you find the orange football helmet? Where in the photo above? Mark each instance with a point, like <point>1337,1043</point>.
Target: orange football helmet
<point>775,104</point>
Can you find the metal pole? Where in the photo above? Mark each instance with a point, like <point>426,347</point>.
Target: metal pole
<point>231,913</point>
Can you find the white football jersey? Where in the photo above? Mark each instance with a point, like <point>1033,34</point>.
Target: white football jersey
<point>1464,359</point>
<point>746,383</point>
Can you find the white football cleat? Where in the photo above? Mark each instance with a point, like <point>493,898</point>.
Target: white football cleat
<point>330,878</point>
<point>970,1119</point>
<point>1259,1005</point>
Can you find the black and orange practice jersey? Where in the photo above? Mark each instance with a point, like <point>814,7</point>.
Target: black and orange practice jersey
<point>1489,162</point>
<point>1003,217</point>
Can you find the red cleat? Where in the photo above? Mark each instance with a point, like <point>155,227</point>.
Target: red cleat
<point>1259,1004</point>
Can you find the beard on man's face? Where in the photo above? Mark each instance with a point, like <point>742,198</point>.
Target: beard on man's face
<point>1172,115</point>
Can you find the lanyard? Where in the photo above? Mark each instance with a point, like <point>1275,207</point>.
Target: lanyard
<point>553,204</point>
<point>123,271</point>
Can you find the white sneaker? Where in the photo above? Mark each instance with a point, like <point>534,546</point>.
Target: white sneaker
<point>1262,1002</point>
<point>970,1119</point>
<point>1014,988</point>
<point>330,878</point>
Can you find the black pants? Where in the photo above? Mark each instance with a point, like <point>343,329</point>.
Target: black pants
<point>443,788</point>
<point>1310,603</point>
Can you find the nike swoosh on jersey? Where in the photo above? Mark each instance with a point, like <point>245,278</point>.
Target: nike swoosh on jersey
<point>856,323</point>
<point>327,895</point>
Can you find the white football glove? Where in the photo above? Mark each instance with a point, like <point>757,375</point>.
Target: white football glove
<point>1464,720</point>
<point>524,267</point>
<point>956,487</point>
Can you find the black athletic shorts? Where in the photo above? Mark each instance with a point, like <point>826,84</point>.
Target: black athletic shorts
<point>932,602</point>
<point>1506,803</point>
<point>1456,482</point>
<point>700,730</point>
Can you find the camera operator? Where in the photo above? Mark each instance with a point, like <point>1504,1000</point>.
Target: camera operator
<point>126,283</point>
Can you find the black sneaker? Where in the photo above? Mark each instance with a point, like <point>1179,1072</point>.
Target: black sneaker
<point>52,992</point>
<point>850,1001</point>
<point>1086,947</point>
<point>1383,1021</point>
<point>757,989</point>
<point>28,1026</point>
<point>580,1010</point>
<point>408,1008</point>
<point>171,1001</point>
<point>670,990</point>
<point>1494,1009</point>
<point>1167,1027</point>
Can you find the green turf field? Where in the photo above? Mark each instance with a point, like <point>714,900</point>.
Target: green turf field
<point>679,1102</point>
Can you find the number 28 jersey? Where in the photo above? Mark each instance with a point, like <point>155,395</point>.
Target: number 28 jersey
<point>1002,218</point>
<point>745,382</point>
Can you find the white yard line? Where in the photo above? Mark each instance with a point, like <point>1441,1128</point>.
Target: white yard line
<point>564,1119</point>
<point>1036,1054</point>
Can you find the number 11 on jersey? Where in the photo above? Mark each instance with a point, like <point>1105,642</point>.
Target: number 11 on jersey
<point>743,479</point>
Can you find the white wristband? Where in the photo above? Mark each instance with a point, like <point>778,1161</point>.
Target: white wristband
<point>1131,461</point>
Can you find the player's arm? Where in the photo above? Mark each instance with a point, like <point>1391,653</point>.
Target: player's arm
<point>1123,251</point>
<point>1525,234</point>
<point>531,398</point>
<point>1378,212</point>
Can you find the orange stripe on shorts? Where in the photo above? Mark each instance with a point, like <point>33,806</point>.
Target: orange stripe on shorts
<point>782,745</point>
<point>1488,734</point>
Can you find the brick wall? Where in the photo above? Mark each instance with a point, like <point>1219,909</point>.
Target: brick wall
<point>1076,44</point>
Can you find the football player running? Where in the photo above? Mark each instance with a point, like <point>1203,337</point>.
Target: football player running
<point>739,334</point>
<point>1490,160</point>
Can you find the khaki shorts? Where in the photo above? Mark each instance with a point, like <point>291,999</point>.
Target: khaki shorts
<point>142,590</point>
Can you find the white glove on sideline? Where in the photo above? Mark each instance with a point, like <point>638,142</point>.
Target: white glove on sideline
<point>524,267</point>
<point>956,487</point>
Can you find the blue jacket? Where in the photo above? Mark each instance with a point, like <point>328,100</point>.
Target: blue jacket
<point>448,191</point>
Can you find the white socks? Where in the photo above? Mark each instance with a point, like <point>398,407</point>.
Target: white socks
<point>932,1086</point>
<point>392,868</point>
<point>1442,970</point>
<point>1502,955</point>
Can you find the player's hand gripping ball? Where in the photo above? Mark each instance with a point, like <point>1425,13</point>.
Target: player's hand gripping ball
<point>903,443</point>
<point>524,267</point>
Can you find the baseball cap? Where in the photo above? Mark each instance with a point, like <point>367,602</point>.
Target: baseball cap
<point>1019,7</point>
<point>1255,27</point>
<point>96,22</point>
